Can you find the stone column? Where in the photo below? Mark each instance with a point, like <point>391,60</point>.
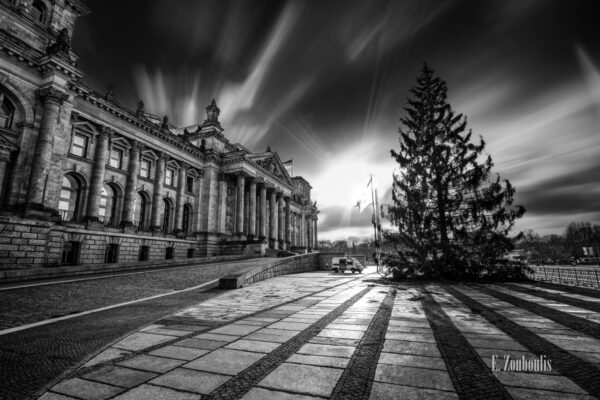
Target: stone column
<point>181,181</point>
<point>97,180</point>
<point>199,206</point>
<point>239,214</point>
<point>262,223</point>
<point>159,183</point>
<point>52,100</point>
<point>4,159</point>
<point>252,211</point>
<point>280,222</point>
<point>288,223</point>
<point>315,239</point>
<point>222,212</point>
<point>273,220</point>
<point>246,210</point>
<point>310,232</point>
<point>133,170</point>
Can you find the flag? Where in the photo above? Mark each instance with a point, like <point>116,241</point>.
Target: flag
<point>289,167</point>
<point>366,199</point>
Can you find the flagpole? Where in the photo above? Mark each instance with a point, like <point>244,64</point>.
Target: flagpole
<point>374,221</point>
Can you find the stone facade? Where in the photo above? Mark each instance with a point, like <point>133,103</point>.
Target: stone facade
<point>84,180</point>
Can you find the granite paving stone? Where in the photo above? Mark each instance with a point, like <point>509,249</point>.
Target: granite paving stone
<point>339,333</point>
<point>55,396</point>
<point>253,345</point>
<point>190,380</point>
<point>225,361</point>
<point>106,355</point>
<point>180,353</point>
<point>236,330</point>
<point>141,340</point>
<point>217,337</point>
<point>327,350</point>
<point>416,348</point>
<point>151,363</point>
<point>304,379</point>
<point>169,332</point>
<point>416,377</point>
<point>412,361</point>
<point>292,326</point>
<point>264,394</point>
<point>335,362</point>
<point>119,376</point>
<point>386,391</point>
<point>201,344</point>
<point>88,390</point>
<point>150,392</point>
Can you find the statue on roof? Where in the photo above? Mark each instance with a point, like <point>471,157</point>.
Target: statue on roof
<point>212,113</point>
<point>140,109</point>
<point>62,45</point>
<point>165,122</point>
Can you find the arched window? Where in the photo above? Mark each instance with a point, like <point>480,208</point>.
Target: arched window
<point>107,212</point>
<point>7,112</point>
<point>38,11</point>
<point>187,215</point>
<point>166,216</point>
<point>139,211</point>
<point>68,204</point>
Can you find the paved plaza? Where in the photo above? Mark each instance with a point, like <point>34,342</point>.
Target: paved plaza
<point>320,335</point>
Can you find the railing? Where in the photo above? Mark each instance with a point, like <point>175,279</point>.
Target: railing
<point>577,276</point>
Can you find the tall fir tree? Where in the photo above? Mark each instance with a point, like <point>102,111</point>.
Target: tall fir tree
<point>452,219</point>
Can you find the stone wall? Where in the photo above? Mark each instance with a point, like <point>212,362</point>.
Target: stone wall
<point>284,266</point>
<point>28,243</point>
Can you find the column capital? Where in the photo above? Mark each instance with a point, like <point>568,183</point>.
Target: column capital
<point>53,95</point>
<point>106,132</point>
<point>136,146</point>
<point>163,156</point>
<point>184,166</point>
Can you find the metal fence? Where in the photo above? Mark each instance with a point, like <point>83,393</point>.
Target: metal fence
<point>577,276</point>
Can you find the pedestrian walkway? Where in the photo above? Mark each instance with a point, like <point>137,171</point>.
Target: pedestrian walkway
<point>323,336</point>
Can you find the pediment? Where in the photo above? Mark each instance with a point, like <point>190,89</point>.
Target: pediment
<point>273,165</point>
<point>86,127</point>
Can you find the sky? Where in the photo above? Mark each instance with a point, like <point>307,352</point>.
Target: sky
<point>324,83</point>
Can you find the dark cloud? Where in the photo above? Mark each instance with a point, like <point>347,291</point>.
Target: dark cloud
<point>325,82</point>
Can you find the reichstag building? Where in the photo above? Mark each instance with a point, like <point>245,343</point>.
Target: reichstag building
<point>84,180</point>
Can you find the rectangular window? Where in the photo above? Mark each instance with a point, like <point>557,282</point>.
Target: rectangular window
<point>190,184</point>
<point>116,156</point>
<point>190,253</point>
<point>145,169</point>
<point>79,146</point>
<point>70,253</point>
<point>169,177</point>
<point>112,253</point>
<point>143,256</point>
<point>169,253</point>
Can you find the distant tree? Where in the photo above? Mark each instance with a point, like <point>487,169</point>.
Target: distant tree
<point>325,244</point>
<point>451,218</point>
<point>582,234</point>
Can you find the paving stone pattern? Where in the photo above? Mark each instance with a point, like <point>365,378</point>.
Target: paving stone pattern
<point>471,377</point>
<point>319,336</point>
<point>589,305</point>
<point>579,324</point>
<point>585,374</point>
<point>357,379</point>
